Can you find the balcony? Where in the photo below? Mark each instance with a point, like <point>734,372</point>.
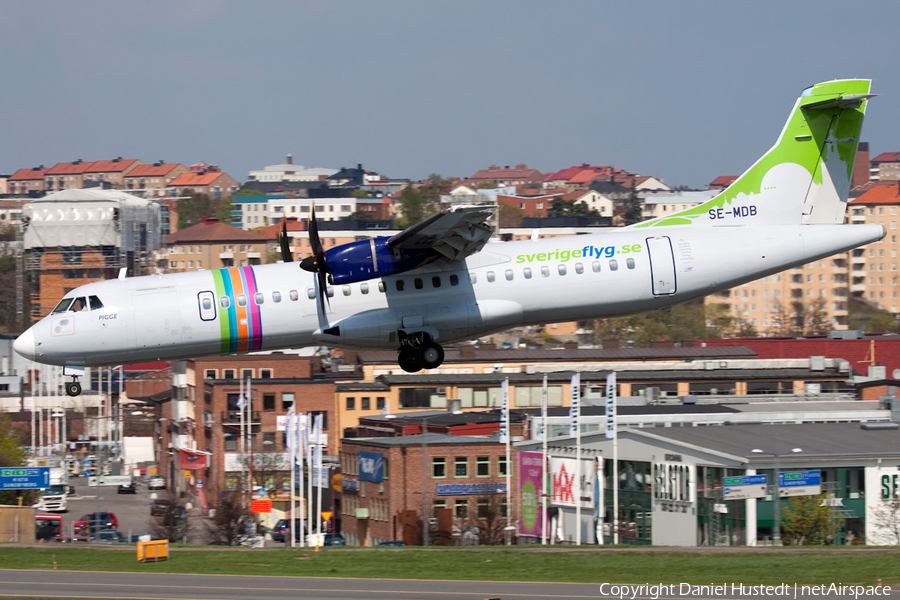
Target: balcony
<point>858,287</point>
<point>233,417</point>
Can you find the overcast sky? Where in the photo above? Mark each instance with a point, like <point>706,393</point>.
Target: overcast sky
<point>685,91</point>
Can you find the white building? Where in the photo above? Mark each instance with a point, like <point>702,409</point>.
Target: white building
<point>288,171</point>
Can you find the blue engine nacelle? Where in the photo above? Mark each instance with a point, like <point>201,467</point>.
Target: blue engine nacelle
<point>367,259</point>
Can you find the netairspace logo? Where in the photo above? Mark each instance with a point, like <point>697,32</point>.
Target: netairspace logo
<point>785,590</point>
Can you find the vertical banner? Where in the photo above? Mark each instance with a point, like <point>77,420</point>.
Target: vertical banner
<point>531,474</point>
<point>574,409</point>
<point>611,405</point>
<point>504,411</point>
<point>542,426</point>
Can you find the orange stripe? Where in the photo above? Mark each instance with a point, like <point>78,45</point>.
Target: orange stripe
<point>243,326</point>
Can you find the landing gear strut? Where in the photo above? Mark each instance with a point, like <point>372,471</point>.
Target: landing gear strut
<point>419,351</point>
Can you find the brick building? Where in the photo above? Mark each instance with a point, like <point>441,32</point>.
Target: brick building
<point>211,181</point>
<point>154,177</point>
<point>211,244</point>
<point>875,266</point>
<point>28,181</point>
<point>422,474</point>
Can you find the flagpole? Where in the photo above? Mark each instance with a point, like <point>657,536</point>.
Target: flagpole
<point>544,463</point>
<point>300,433</point>
<point>612,433</point>
<point>508,465</point>
<point>292,461</point>
<point>578,488</point>
<point>249,436</point>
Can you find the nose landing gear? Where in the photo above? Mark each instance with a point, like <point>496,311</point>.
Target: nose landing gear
<point>419,351</point>
<point>73,388</point>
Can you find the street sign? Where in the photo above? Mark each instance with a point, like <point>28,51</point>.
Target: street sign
<point>26,478</point>
<point>745,486</point>
<point>109,480</point>
<point>799,483</point>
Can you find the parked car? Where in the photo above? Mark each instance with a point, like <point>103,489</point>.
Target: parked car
<point>127,488</point>
<point>96,522</point>
<point>109,536</point>
<point>159,507</point>
<point>156,483</point>
<point>332,539</point>
<point>280,532</point>
<point>395,543</point>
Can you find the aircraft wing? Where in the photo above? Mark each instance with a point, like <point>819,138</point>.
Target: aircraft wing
<point>455,232</point>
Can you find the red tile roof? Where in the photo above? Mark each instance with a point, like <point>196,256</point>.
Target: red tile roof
<point>566,174</point>
<point>887,157</point>
<point>723,181</point>
<point>29,174</point>
<point>110,166</point>
<point>195,179</point>
<point>70,168</point>
<point>883,193</point>
<point>518,172</point>
<point>213,230</point>
<point>153,170</point>
<point>271,232</point>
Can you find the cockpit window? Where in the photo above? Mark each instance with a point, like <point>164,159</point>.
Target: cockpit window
<point>95,303</point>
<point>79,305</point>
<point>63,305</point>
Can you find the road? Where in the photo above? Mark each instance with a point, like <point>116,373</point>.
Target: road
<point>74,584</point>
<point>132,510</point>
<point>145,586</point>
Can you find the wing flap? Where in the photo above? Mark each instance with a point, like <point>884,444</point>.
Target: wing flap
<point>455,232</point>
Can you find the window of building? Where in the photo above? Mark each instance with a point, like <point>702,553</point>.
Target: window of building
<point>501,466</point>
<point>531,395</point>
<point>269,439</point>
<point>210,374</point>
<point>483,466</point>
<point>228,374</point>
<point>438,467</point>
<point>268,401</point>
<point>246,374</point>
<point>461,508</point>
<point>287,400</point>
<point>351,403</point>
<point>230,441</point>
<point>364,403</point>
<point>265,373</point>
<point>324,413</point>
<point>461,466</point>
<point>481,397</point>
<point>422,398</point>
<point>379,402</point>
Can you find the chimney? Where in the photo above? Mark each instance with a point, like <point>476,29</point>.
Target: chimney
<point>467,352</point>
<point>290,159</point>
<point>861,166</point>
<point>359,166</point>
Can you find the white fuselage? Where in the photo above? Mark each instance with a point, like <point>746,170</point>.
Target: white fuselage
<point>243,309</point>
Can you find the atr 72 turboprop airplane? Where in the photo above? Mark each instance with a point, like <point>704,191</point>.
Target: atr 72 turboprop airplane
<point>438,282</point>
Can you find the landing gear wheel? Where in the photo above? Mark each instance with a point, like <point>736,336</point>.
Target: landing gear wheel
<point>430,355</point>
<point>409,360</point>
<point>73,388</point>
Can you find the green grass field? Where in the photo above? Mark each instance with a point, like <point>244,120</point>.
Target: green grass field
<point>862,567</point>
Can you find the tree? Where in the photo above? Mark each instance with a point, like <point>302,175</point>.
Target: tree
<point>249,192</point>
<point>881,322</point>
<point>223,212</point>
<point>807,520</point>
<point>433,188</point>
<point>11,455</point>
<point>231,525</point>
<point>682,323</point>
<point>486,526</point>
<point>509,215</point>
<point>563,208</point>
<point>634,208</point>
<point>357,193</point>
<point>191,209</point>
<point>173,525</point>
<point>886,522</point>
<point>413,207</point>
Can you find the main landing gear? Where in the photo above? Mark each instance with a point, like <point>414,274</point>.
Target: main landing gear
<point>419,351</point>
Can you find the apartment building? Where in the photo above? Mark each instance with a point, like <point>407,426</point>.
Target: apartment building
<point>211,244</point>
<point>154,178</point>
<point>28,181</point>
<point>875,266</point>
<point>211,181</point>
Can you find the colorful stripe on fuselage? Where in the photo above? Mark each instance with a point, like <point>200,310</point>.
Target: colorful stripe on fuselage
<point>241,322</point>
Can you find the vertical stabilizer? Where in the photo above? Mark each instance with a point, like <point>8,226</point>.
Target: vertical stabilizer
<point>805,177</point>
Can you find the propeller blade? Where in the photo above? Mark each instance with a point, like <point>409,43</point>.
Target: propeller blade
<point>317,262</point>
<point>323,289</point>
<point>286,254</point>
<point>314,242</point>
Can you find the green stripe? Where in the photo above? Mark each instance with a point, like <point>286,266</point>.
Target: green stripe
<point>224,324</point>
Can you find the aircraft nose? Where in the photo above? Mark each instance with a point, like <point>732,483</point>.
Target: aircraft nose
<point>24,344</point>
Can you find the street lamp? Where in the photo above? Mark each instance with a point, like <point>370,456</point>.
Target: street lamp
<point>776,534</point>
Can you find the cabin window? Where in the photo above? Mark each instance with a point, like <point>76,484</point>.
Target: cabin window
<point>509,275</point>
<point>562,269</point>
<point>579,268</point>
<point>400,285</point>
<point>259,298</point>
<point>629,262</point>
<point>276,297</point>
<point>436,281</point>
<point>242,300</point>
<point>454,280</point>
<point>418,283</point>
<point>545,271</point>
<point>207,306</point>
<point>329,291</point>
<point>95,303</point>
<point>491,277</point>
<point>596,266</point>
<point>364,288</point>
<point>224,301</point>
<point>311,293</point>
<point>381,286</point>
<point>527,272</point>
<point>473,278</point>
<point>295,295</point>
<point>613,264</point>
<point>346,290</point>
